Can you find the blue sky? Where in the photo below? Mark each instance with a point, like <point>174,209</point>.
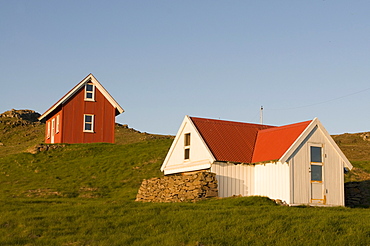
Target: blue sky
<point>162,60</point>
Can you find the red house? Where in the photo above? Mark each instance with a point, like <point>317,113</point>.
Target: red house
<point>86,114</point>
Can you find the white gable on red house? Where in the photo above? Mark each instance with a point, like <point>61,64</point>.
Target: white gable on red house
<point>298,163</point>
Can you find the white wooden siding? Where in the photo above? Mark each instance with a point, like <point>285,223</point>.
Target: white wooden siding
<point>332,171</point>
<point>233,179</point>
<point>272,180</point>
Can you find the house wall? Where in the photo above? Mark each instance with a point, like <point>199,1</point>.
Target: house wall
<point>200,157</point>
<point>73,119</point>
<point>234,179</point>
<point>272,180</point>
<point>333,178</point>
<point>57,134</point>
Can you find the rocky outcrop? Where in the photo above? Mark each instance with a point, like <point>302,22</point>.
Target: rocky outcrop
<point>179,188</point>
<point>19,117</point>
<point>357,193</point>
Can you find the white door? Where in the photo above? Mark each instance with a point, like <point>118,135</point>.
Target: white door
<point>317,174</point>
<point>52,130</point>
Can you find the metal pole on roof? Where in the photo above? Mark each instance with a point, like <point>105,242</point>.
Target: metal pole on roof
<point>261,115</point>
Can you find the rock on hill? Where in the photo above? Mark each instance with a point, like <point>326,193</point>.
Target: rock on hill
<point>19,129</point>
<point>19,117</point>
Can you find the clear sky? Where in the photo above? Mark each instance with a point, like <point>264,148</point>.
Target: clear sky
<point>162,60</point>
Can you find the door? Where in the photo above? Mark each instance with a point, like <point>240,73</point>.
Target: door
<point>317,174</point>
<point>52,130</point>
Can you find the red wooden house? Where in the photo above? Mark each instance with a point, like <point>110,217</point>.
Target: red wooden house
<point>86,114</point>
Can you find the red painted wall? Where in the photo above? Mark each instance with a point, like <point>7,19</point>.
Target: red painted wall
<point>57,135</point>
<point>72,120</point>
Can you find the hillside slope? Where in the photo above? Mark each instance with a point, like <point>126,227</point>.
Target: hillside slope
<point>356,147</point>
<point>20,131</point>
<point>82,170</point>
<point>83,194</point>
<point>76,170</point>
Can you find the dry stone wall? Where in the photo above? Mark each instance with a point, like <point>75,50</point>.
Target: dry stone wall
<point>357,193</point>
<point>179,188</point>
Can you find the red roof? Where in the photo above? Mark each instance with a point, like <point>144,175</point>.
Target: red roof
<point>245,142</point>
<point>272,143</point>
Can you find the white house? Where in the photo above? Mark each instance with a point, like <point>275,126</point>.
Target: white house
<point>298,163</point>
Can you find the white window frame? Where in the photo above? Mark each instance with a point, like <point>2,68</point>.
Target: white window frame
<point>48,131</point>
<point>92,123</point>
<point>187,136</point>
<point>57,125</point>
<point>92,92</point>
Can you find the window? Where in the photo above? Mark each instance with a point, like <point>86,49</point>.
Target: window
<point>316,154</point>
<point>187,154</point>
<point>89,92</point>
<point>88,123</point>
<point>57,126</point>
<point>187,146</point>
<point>48,132</point>
<point>316,172</point>
<point>316,163</point>
<point>187,139</point>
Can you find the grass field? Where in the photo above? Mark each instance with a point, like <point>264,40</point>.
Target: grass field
<point>83,194</point>
<point>232,221</point>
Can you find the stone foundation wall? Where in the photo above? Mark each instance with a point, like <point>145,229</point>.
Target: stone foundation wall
<point>178,188</point>
<point>357,193</point>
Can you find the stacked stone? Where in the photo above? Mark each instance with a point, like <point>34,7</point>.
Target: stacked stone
<point>45,147</point>
<point>357,193</point>
<point>179,188</point>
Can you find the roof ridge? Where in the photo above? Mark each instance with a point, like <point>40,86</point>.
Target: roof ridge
<point>232,122</point>
<point>277,128</point>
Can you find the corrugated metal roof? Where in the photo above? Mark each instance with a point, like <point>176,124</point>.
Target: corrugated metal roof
<point>246,142</point>
<point>272,143</point>
<point>229,140</point>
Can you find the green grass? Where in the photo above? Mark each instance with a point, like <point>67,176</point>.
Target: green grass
<point>19,138</point>
<point>82,170</point>
<point>234,221</point>
<point>83,194</point>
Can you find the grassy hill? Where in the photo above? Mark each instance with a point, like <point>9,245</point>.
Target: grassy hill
<point>83,194</point>
<point>356,147</point>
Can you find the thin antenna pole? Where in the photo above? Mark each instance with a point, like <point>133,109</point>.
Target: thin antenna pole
<point>261,115</point>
